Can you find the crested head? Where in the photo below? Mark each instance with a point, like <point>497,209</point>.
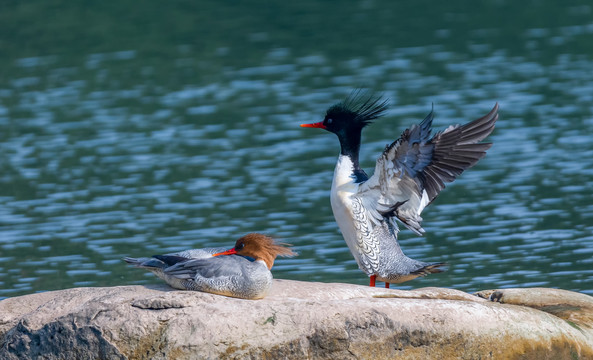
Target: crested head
<point>347,118</point>
<point>358,110</point>
<point>262,247</point>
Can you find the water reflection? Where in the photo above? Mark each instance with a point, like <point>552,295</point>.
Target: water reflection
<point>98,164</point>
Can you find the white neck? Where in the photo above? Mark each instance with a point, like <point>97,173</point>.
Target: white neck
<point>343,172</point>
<point>343,185</point>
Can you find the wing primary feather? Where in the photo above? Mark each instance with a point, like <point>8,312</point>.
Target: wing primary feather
<point>415,163</point>
<point>170,260</point>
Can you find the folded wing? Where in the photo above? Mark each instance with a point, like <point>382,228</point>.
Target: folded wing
<point>219,267</point>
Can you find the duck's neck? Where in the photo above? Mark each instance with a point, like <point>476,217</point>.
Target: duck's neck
<point>350,147</point>
<point>267,259</point>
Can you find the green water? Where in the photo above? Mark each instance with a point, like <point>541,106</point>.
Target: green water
<point>133,129</point>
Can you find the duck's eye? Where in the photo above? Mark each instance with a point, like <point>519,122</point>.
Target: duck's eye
<point>329,121</point>
<point>239,246</point>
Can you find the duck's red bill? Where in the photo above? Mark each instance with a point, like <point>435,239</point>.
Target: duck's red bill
<point>314,125</point>
<point>228,252</point>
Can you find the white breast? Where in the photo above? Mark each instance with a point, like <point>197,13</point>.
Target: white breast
<point>343,187</point>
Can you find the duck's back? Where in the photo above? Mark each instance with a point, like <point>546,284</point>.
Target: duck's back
<point>230,275</point>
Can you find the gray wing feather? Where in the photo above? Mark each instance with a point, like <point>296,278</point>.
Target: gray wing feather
<point>229,275</point>
<point>213,267</point>
<point>199,253</point>
<point>412,171</point>
<point>146,263</point>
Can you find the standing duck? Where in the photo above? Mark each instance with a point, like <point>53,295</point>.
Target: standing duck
<point>241,272</point>
<point>408,176</point>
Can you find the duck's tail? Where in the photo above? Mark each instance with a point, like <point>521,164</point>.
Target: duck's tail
<point>431,268</point>
<point>146,263</point>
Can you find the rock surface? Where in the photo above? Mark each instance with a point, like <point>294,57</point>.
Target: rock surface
<point>298,320</point>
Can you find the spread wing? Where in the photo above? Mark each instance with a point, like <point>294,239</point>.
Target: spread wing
<point>218,267</point>
<point>413,170</point>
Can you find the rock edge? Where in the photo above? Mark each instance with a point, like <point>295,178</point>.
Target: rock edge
<point>298,320</point>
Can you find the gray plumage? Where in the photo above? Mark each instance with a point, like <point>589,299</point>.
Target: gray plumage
<point>241,272</point>
<point>229,275</point>
<point>416,163</point>
<point>409,175</point>
<point>157,266</point>
<point>395,266</point>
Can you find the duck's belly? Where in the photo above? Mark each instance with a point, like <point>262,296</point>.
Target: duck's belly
<point>342,209</point>
<point>343,201</point>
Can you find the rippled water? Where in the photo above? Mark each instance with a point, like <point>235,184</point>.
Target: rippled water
<point>189,143</point>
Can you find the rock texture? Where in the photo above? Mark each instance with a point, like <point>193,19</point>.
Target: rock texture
<point>298,320</point>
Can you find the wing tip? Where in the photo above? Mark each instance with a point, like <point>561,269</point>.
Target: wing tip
<point>492,115</point>
<point>131,260</point>
<point>432,268</point>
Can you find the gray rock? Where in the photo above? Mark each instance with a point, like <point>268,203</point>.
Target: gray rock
<point>297,320</point>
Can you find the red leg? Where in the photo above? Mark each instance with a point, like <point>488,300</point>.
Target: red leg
<point>373,278</point>
<point>386,285</point>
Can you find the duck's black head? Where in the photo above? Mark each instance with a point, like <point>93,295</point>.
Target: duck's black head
<point>358,110</point>
<point>347,118</point>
